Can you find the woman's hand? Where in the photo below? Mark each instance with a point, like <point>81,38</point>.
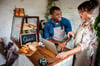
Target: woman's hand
<point>70,52</point>
<point>62,55</point>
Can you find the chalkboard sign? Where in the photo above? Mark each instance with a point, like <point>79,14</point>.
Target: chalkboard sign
<point>25,38</point>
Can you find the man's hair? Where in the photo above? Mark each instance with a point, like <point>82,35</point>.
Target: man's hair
<point>53,8</point>
<point>88,5</point>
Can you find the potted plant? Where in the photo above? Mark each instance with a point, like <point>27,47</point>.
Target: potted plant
<point>97,28</point>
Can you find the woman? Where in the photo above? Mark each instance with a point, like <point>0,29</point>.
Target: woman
<point>85,40</point>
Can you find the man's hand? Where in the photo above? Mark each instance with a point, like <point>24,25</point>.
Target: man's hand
<point>70,34</point>
<point>61,46</point>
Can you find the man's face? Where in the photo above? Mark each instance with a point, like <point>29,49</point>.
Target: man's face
<point>57,15</point>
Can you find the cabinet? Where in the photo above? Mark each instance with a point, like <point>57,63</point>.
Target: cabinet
<point>24,26</point>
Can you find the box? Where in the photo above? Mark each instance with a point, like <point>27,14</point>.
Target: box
<point>19,12</point>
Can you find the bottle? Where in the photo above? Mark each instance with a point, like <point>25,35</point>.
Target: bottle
<point>43,62</point>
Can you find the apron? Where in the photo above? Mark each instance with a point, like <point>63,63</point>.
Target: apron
<point>59,34</point>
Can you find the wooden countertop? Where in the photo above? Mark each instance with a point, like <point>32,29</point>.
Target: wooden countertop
<point>43,52</point>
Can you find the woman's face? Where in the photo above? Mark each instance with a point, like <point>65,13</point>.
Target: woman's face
<point>83,15</point>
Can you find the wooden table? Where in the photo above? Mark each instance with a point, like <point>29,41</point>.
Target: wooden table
<point>43,52</point>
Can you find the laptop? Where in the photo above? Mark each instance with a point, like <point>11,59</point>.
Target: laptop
<point>51,46</point>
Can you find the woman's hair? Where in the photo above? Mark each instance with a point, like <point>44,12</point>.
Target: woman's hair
<point>88,5</point>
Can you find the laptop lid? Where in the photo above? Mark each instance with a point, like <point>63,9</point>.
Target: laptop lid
<point>50,46</point>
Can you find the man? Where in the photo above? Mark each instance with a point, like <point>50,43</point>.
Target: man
<point>57,28</point>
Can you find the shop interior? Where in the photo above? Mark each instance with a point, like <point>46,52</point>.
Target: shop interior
<point>22,29</point>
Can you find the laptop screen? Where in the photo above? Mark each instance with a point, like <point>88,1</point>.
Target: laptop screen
<point>50,46</point>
